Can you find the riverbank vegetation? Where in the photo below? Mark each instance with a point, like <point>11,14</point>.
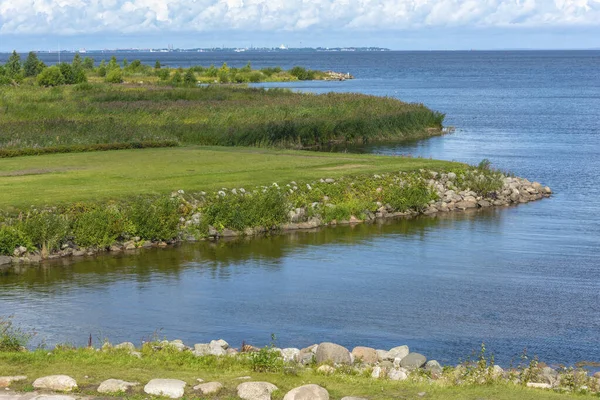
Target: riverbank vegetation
<point>80,117</point>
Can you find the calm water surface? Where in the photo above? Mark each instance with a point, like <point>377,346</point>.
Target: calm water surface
<point>523,277</point>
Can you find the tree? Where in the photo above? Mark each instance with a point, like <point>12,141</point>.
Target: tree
<point>189,79</point>
<point>77,62</point>
<point>157,65</point>
<point>33,66</point>
<point>112,64</point>
<point>67,72</point>
<point>114,76</point>
<point>88,63</point>
<point>247,68</point>
<point>125,63</point>
<point>51,77</point>
<point>13,66</point>
<point>163,74</point>
<point>102,69</point>
<point>176,79</point>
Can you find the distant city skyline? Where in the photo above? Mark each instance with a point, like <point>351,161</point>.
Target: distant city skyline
<point>395,24</point>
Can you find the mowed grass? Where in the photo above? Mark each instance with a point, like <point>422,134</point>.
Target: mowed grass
<point>90,368</point>
<point>99,176</point>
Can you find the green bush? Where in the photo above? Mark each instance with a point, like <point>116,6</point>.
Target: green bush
<point>114,75</point>
<point>163,74</point>
<point>12,338</point>
<point>12,237</point>
<point>414,196</point>
<point>155,219</point>
<point>302,73</point>
<point>46,230</point>
<point>100,227</point>
<point>51,76</point>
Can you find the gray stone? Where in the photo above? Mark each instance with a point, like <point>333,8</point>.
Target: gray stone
<point>398,352</point>
<point>397,374</point>
<point>451,176</point>
<point>353,398</point>
<point>126,345</point>
<point>433,366</point>
<point>209,387</point>
<point>539,385</point>
<point>172,388</point>
<point>413,361</point>
<point>255,390</point>
<point>52,397</point>
<point>326,369</point>
<point>331,352</point>
<point>290,354</point>
<point>58,383</point>
<point>115,386</point>
<point>365,354</point>
<point>307,392</point>
<point>5,260</point>
<point>223,344</point>
<point>5,381</point>
<point>377,372</point>
<point>382,355</point>
<point>464,205</point>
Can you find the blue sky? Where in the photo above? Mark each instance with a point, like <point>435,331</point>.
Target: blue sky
<point>397,24</point>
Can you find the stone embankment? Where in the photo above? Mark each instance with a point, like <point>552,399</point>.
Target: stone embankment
<point>325,359</point>
<point>452,193</point>
<point>337,76</point>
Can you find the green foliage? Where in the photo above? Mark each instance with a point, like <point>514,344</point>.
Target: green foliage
<point>12,237</point>
<point>51,76</point>
<point>88,63</point>
<point>212,71</point>
<point>302,73</point>
<point>33,66</point>
<point>155,219</point>
<point>82,148</point>
<point>265,207</point>
<point>47,230</point>
<point>157,65</point>
<point>12,338</point>
<point>113,64</point>
<point>13,66</point>
<point>247,68</point>
<point>267,359</point>
<point>77,62</point>
<point>271,71</point>
<point>114,76</point>
<point>176,79</point>
<point>189,79</point>
<point>482,179</point>
<point>100,227</point>
<point>413,196</point>
<point>163,74</point>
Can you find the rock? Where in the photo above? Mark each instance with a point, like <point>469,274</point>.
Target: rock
<point>497,371</point>
<point>213,348</point>
<point>413,361</point>
<point>547,190</point>
<point>290,354</point>
<point>549,375</point>
<point>307,392</point>
<point>110,386</point>
<point>484,203</point>
<point>243,378</point>
<point>209,387</point>
<point>172,388</point>
<point>464,205</point>
<point>377,372</point>
<point>326,369</point>
<point>382,355</point>
<point>58,383</point>
<point>539,385</point>
<point>397,374</point>
<point>353,398</point>
<point>223,344</point>
<point>398,352</point>
<point>5,260</point>
<point>365,354</point>
<point>331,352</point>
<point>255,390</point>
<point>597,375</point>
<point>50,397</point>
<point>126,345</point>
<point>451,176</point>
<point>433,366</point>
<point>178,345</point>
<point>329,180</point>
<point>5,381</point>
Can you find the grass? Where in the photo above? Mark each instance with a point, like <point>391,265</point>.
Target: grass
<point>101,176</point>
<point>90,367</point>
<point>33,117</point>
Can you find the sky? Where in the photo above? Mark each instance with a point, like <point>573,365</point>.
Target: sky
<point>397,24</point>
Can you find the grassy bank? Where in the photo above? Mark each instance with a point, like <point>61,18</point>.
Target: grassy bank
<point>90,367</point>
<point>33,117</point>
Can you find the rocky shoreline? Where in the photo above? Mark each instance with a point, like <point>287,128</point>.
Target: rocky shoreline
<point>446,187</point>
<point>324,359</point>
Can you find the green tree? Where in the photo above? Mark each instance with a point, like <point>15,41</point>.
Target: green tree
<point>163,74</point>
<point>157,65</point>
<point>67,72</point>
<point>247,68</point>
<point>212,71</point>
<point>176,79</point>
<point>189,79</point>
<point>77,62</point>
<point>102,69</point>
<point>125,63</point>
<point>13,66</point>
<point>113,64</point>
<point>51,76</point>
<point>114,76</point>
<point>88,63</point>
<point>32,66</point>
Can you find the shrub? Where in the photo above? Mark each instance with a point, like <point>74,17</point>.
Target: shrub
<point>155,219</point>
<point>100,227</point>
<point>176,79</point>
<point>302,73</point>
<point>114,76</point>
<point>163,74</point>
<point>11,337</point>
<point>414,196</point>
<point>266,359</point>
<point>51,76</point>
<point>12,237</point>
<point>189,79</point>
<point>46,230</point>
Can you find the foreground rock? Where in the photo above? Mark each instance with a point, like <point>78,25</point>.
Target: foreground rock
<point>58,383</point>
<point>173,388</point>
<point>397,353</point>
<point>111,386</point>
<point>255,390</point>
<point>331,352</point>
<point>209,387</point>
<point>413,361</point>
<point>365,354</point>
<point>307,392</point>
<point>5,381</point>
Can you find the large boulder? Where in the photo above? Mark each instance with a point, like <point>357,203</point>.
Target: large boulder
<point>172,388</point>
<point>397,374</point>
<point>398,352</point>
<point>413,361</point>
<point>58,383</point>
<point>5,260</point>
<point>111,386</point>
<point>331,352</point>
<point>255,390</point>
<point>307,392</point>
<point>290,354</point>
<point>5,381</point>
<point>365,354</point>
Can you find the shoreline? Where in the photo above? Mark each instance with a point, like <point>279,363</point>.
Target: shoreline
<point>444,188</point>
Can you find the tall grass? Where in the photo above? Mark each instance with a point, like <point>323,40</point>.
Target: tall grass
<point>88,115</point>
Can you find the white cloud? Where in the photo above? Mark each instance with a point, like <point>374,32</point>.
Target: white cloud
<point>131,16</point>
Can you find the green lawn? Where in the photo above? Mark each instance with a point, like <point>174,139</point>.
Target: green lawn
<point>100,176</point>
<point>90,368</point>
